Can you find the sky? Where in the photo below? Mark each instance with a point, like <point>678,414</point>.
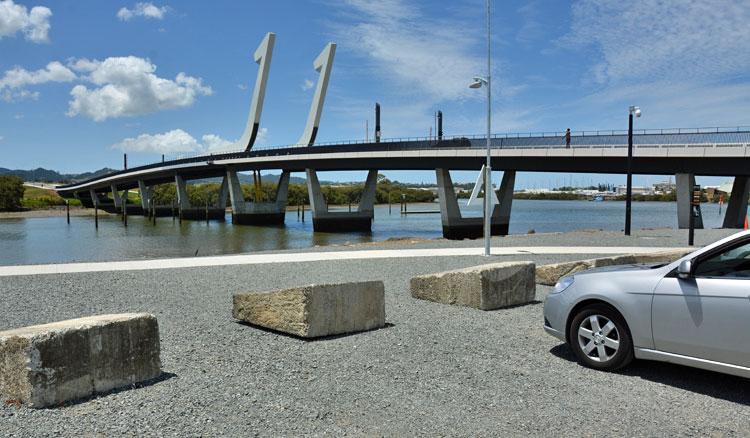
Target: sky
<point>82,82</point>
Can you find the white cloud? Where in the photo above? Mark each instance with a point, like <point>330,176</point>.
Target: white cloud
<point>242,87</point>
<point>145,10</point>
<point>2,138</point>
<point>531,28</point>
<point>128,86</point>
<point>308,84</point>
<point>18,117</point>
<point>657,40</point>
<point>430,55</point>
<point>214,143</point>
<point>14,82</point>
<point>262,138</point>
<point>16,18</point>
<point>18,95</point>
<point>682,62</point>
<point>18,77</point>
<point>174,142</point>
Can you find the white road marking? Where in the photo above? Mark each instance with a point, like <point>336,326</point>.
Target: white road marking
<point>301,257</point>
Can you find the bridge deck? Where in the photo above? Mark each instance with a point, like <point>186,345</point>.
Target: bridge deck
<point>700,153</point>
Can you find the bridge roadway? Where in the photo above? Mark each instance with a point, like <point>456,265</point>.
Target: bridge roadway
<point>684,154</point>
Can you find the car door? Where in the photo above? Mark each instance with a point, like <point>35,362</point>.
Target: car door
<point>707,315</point>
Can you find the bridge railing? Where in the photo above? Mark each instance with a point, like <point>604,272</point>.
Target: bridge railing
<point>643,138</point>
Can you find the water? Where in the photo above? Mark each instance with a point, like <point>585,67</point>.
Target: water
<point>48,240</point>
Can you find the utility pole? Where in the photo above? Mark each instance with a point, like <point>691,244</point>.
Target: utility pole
<point>488,166</point>
<point>633,110</point>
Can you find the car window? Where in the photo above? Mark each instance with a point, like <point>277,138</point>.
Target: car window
<point>730,263</point>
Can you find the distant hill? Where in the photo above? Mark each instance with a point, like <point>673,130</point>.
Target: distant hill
<point>51,176</point>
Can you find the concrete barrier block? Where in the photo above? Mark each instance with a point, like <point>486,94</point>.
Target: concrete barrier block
<point>550,274</point>
<point>315,310</point>
<point>484,287</point>
<point>49,364</point>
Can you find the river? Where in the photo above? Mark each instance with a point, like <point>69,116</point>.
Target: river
<point>52,240</point>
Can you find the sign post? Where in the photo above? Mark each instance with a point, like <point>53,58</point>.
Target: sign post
<point>694,203</point>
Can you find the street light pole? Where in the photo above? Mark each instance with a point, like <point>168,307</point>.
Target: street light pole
<point>633,110</point>
<point>488,167</point>
<point>629,190</point>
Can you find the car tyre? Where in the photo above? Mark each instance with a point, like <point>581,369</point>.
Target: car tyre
<point>599,337</point>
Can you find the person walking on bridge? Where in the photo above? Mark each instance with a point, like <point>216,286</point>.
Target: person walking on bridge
<point>567,138</point>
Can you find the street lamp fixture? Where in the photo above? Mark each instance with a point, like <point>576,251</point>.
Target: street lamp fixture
<point>478,82</point>
<point>633,110</point>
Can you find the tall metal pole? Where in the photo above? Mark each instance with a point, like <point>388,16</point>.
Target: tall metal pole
<point>488,167</point>
<point>629,191</point>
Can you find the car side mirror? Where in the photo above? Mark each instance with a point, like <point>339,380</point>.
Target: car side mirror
<point>685,270</point>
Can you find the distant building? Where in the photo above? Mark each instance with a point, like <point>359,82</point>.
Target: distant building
<point>637,190</point>
<point>664,187</point>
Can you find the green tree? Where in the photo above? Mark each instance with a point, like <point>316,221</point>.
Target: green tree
<point>11,193</point>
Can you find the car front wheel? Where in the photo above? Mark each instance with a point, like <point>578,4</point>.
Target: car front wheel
<point>600,339</point>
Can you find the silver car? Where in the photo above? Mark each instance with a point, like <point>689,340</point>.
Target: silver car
<point>694,311</point>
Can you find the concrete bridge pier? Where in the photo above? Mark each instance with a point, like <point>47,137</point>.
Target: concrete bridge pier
<point>102,202</point>
<point>147,195</point>
<point>737,207</point>
<point>96,200</point>
<point>116,197</point>
<point>685,183</point>
<point>257,213</point>
<point>457,227</point>
<point>336,221</point>
<point>189,212</point>
<point>117,205</point>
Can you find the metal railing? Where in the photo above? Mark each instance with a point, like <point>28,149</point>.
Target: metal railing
<point>647,138</point>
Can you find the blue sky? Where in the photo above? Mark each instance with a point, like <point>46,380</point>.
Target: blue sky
<point>82,80</point>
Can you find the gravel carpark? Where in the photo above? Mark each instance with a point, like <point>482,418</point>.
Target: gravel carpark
<point>434,370</point>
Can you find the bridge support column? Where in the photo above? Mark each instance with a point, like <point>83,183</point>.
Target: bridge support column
<point>95,201</point>
<point>116,196</point>
<point>145,195</point>
<point>257,213</point>
<point>199,213</point>
<point>685,183</point>
<point>85,202</point>
<point>457,227</point>
<point>737,207</point>
<point>505,196</point>
<point>334,221</point>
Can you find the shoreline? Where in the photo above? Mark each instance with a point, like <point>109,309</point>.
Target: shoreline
<point>50,212</point>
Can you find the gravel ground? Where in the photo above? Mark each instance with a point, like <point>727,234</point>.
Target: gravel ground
<point>435,370</point>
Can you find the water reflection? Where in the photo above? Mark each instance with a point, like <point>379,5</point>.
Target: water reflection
<point>46,240</point>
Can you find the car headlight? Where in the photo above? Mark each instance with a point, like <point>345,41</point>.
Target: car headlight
<point>563,284</point>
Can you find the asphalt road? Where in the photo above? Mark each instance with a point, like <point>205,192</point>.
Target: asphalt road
<point>434,370</point>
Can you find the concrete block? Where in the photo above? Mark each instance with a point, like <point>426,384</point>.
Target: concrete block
<point>484,287</point>
<point>45,365</point>
<point>550,274</point>
<point>315,310</point>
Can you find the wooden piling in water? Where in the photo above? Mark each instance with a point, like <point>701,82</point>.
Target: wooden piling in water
<point>67,210</point>
<point>125,208</point>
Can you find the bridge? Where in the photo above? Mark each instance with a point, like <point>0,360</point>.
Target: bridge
<point>684,153</point>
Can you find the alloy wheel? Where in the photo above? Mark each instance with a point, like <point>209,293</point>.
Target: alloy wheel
<point>598,338</point>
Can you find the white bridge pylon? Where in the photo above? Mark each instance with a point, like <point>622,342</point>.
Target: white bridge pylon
<point>322,64</point>
<point>263,54</point>
<point>262,57</point>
